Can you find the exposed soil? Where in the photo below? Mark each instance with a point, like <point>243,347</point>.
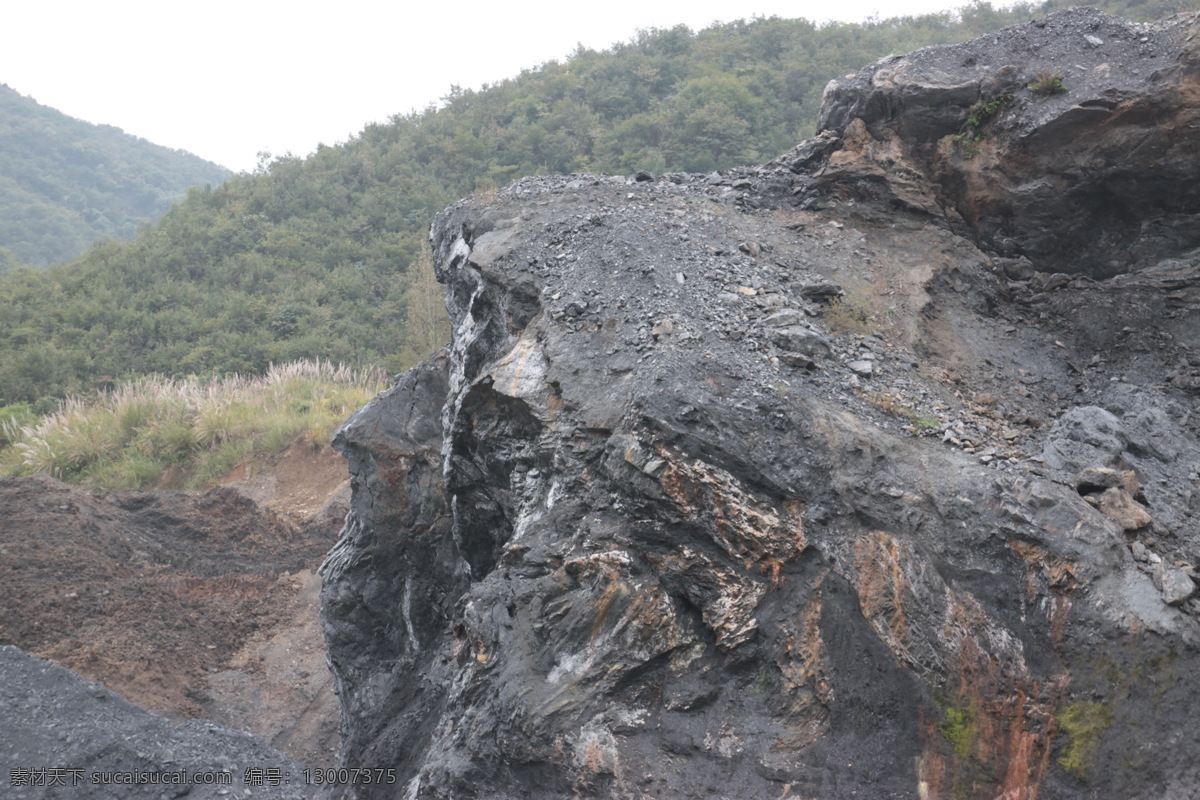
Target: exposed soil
<point>278,686</point>
<point>305,484</point>
<point>188,604</point>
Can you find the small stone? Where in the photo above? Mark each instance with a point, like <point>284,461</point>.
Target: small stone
<point>822,292</point>
<point>1117,505</point>
<point>1016,269</point>
<point>1139,551</point>
<point>798,360</point>
<point>864,368</point>
<point>1096,479</point>
<point>798,339</point>
<point>783,318</point>
<point>1174,584</point>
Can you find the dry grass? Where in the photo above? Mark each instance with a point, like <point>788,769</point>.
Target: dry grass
<point>846,315</point>
<point>919,422</point>
<point>193,430</point>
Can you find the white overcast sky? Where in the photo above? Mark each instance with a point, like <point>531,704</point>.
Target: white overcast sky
<point>226,79</point>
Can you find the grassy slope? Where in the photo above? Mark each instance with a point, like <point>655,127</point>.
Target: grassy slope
<point>184,433</point>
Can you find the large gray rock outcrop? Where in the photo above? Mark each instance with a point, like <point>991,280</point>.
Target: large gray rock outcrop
<point>1098,178</point>
<point>623,540</point>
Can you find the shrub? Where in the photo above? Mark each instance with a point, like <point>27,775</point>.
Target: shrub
<point>1046,84</point>
<point>966,141</point>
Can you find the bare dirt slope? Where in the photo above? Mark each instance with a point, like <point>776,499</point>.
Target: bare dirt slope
<point>66,738</point>
<point>188,604</point>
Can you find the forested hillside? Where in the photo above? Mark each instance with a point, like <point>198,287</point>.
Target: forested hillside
<point>65,183</point>
<point>319,257</point>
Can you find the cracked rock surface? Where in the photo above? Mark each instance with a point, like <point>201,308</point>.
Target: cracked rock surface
<point>786,482</point>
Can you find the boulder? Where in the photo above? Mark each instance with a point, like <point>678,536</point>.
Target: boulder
<point>1116,504</point>
<point>799,339</point>
<point>1091,175</point>
<point>1175,584</point>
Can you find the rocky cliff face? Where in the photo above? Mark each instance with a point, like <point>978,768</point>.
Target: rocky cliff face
<point>1069,141</point>
<point>868,473</point>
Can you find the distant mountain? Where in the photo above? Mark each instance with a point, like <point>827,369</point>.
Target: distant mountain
<point>65,183</point>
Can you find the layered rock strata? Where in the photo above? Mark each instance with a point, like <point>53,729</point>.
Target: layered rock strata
<point>1070,141</point>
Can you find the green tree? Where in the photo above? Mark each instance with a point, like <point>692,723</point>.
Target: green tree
<point>427,325</point>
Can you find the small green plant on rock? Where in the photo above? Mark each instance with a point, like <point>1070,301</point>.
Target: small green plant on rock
<point>918,422</point>
<point>959,728</point>
<point>1084,725</point>
<point>982,112</point>
<point>966,141</point>
<point>1046,84</point>
<point>926,425</point>
<point>967,145</point>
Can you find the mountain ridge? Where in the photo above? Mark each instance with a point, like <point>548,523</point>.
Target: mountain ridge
<point>64,183</point>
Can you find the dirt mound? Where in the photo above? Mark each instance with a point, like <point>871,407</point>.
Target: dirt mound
<point>304,484</point>
<point>188,604</point>
<point>278,685</point>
